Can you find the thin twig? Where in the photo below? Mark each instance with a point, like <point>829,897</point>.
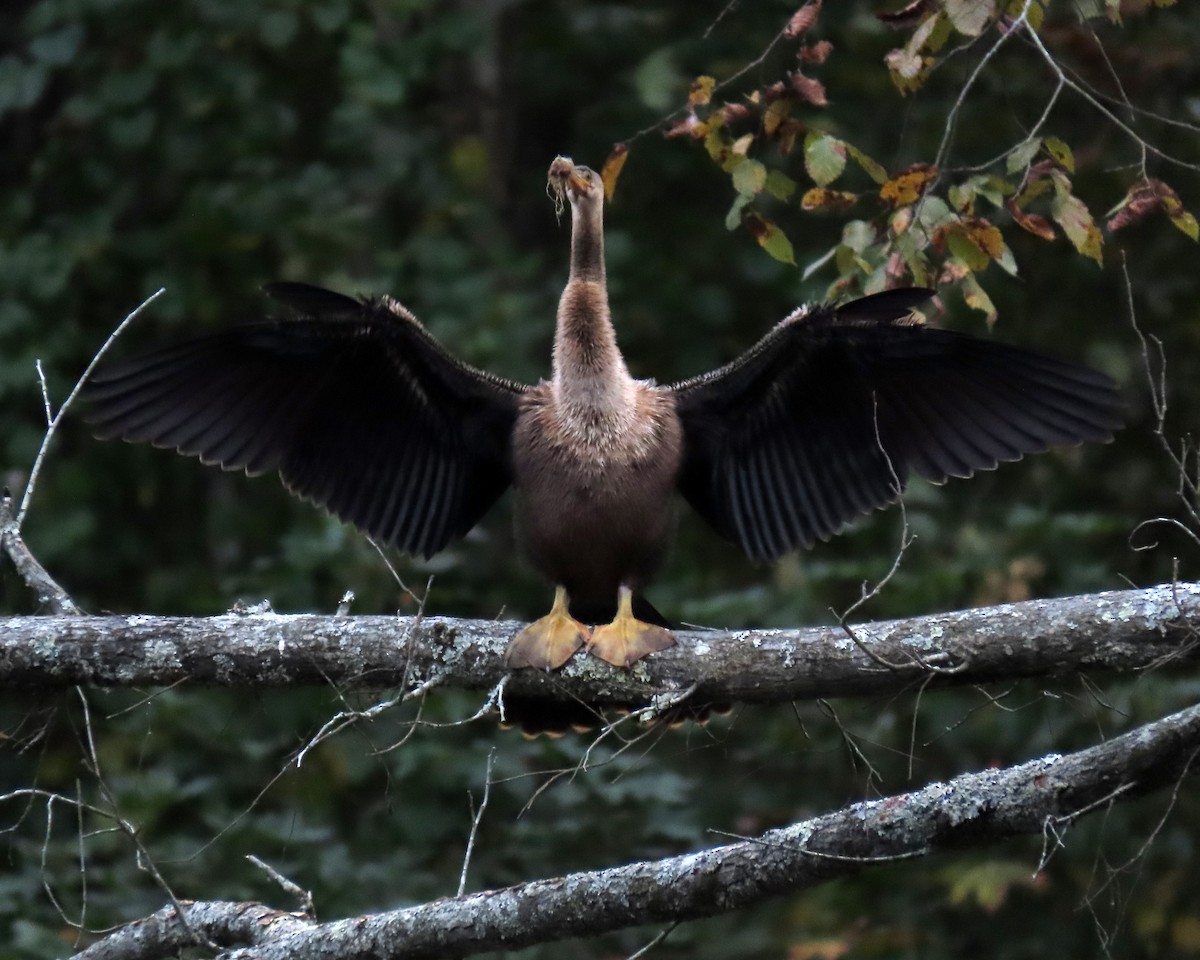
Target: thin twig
<point>478,815</point>
<point>52,422</point>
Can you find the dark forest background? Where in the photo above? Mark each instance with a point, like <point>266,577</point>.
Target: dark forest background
<point>401,146</point>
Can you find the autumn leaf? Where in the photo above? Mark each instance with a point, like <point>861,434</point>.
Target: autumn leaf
<point>822,198</point>
<point>873,169</point>
<point>978,299</point>
<point>824,157</point>
<point>802,20</point>
<point>1073,216</point>
<point>741,146</point>
<point>908,16</point>
<point>974,241</point>
<point>1187,223</point>
<point>906,187</point>
<point>969,17</point>
<point>770,238</point>
<point>809,89</point>
<point>816,53</point>
<point>733,112</point>
<point>1060,153</point>
<point>1038,226</point>
<point>906,69</point>
<point>612,169</point>
<point>689,126</point>
<point>908,66</point>
<point>701,92</point>
<point>774,116</point>
<point>1151,196</point>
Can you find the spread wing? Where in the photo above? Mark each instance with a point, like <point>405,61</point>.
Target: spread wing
<point>355,405</point>
<point>823,418</point>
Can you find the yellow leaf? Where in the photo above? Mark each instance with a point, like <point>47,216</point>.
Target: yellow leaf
<point>821,197</point>
<point>701,91</point>
<point>977,299</point>
<point>1073,216</point>
<point>775,114</point>
<point>1187,223</point>
<point>872,169</point>
<point>771,238</point>
<point>906,187</point>
<point>612,169</point>
<point>1060,153</point>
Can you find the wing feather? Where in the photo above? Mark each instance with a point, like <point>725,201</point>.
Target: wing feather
<point>359,409</point>
<point>824,417</point>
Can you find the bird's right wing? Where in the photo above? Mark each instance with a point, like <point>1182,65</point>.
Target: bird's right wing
<point>355,405</point>
<point>823,418</point>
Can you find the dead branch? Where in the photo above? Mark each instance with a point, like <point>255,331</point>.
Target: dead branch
<point>972,810</point>
<point>1125,630</point>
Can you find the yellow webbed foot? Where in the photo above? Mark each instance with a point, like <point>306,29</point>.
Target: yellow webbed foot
<point>550,642</point>
<point>626,640</point>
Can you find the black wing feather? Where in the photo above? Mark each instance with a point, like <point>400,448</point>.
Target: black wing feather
<point>355,405</point>
<point>823,418</point>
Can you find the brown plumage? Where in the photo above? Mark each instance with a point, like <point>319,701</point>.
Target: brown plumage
<point>361,411</point>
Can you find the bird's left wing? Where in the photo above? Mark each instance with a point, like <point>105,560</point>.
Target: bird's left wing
<point>823,418</point>
<point>355,405</point>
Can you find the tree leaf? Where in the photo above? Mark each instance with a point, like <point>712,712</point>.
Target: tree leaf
<point>1060,153</point>
<point>1038,226</point>
<point>780,185</point>
<point>749,177</point>
<point>978,299</point>
<point>1187,223</point>
<point>872,169</point>
<point>821,197</point>
<point>733,218</point>
<point>969,17</point>
<point>775,114</point>
<point>1149,196</point>
<point>701,91</point>
<point>908,185</point>
<point>824,157</point>
<point>771,238</point>
<point>1022,155</point>
<point>612,169</point>
<point>1073,216</point>
<point>810,89</point>
<point>802,20</point>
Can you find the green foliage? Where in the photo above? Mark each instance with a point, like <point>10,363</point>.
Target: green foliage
<point>402,146</point>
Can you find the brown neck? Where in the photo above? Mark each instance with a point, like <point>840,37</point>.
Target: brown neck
<point>587,241</point>
<point>589,372</point>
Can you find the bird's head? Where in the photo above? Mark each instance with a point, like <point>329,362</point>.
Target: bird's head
<point>579,184</point>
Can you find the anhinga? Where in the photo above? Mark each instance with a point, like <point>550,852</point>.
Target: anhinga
<point>362,412</point>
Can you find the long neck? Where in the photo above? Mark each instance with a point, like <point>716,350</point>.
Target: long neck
<point>589,372</point>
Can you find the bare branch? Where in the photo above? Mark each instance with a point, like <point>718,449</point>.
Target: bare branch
<point>1125,630</point>
<point>971,810</point>
<point>36,577</point>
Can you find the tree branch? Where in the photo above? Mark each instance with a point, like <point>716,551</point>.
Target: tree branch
<point>36,577</point>
<point>1125,630</point>
<point>968,811</point>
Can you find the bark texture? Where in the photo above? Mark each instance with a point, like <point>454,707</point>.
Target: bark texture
<point>971,810</point>
<point>1124,630</point>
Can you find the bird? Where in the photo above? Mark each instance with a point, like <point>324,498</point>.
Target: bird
<point>362,412</point>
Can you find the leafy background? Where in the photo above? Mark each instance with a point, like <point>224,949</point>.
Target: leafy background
<point>401,146</point>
